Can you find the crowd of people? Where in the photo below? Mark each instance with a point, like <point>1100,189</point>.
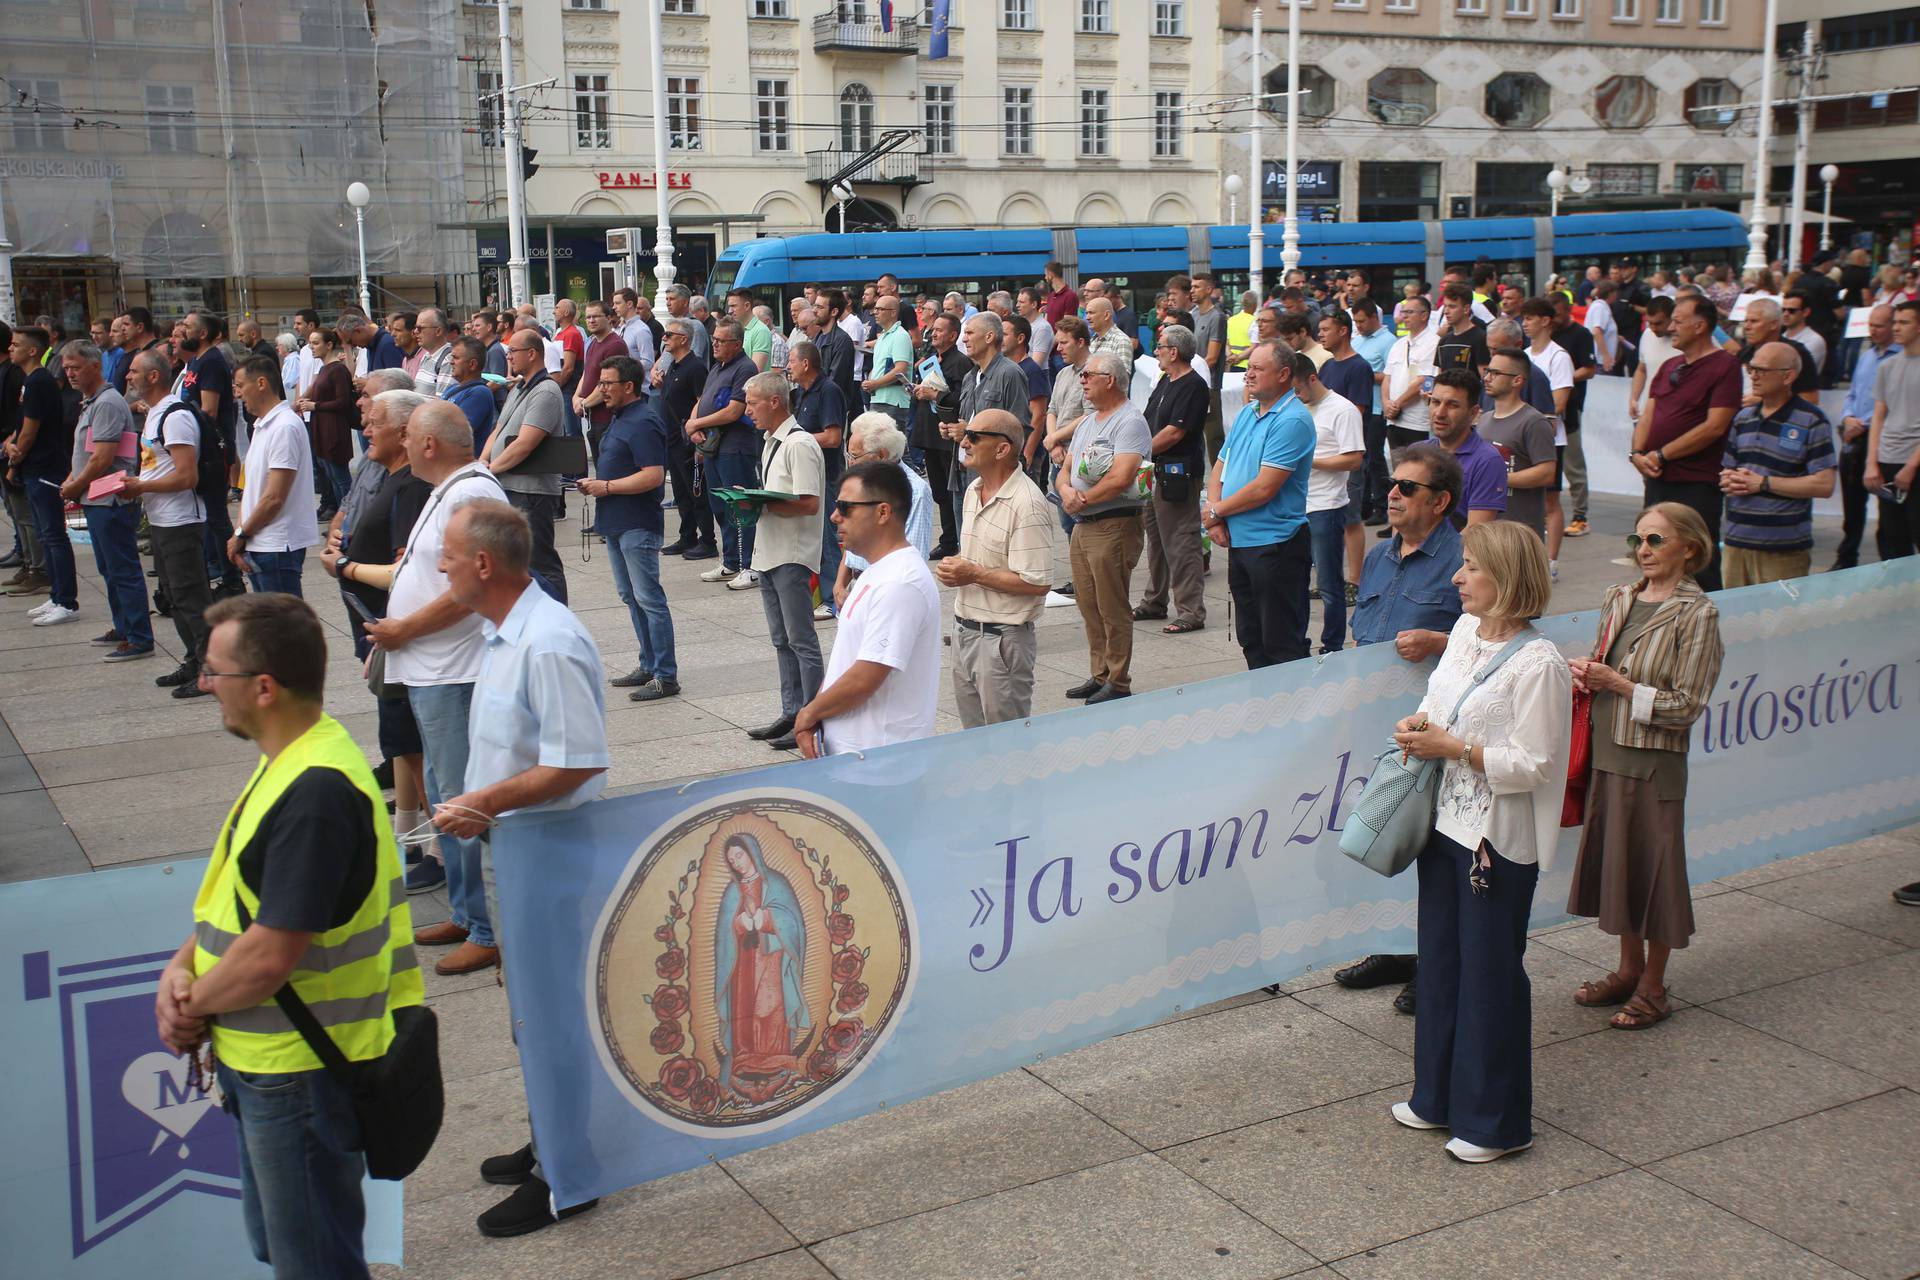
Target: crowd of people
<point>882,446</point>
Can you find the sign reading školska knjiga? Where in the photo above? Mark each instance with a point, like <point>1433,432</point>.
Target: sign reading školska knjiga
<point>703,971</point>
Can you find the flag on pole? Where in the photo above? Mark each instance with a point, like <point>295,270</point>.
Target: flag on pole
<point>886,15</point>
<point>942,14</point>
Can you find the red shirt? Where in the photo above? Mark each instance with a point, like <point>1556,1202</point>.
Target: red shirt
<point>571,339</point>
<point>1683,394</point>
<point>1062,302</point>
<point>599,351</point>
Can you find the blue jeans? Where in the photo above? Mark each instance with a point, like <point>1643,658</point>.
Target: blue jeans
<point>796,646</point>
<point>278,570</point>
<point>636,580</point>
<point>1473,1006</point>
<point>1328,529</point>
<point>732,471</point>
<point>335,478</point>
<point>829,549</point>
<point>299,1174</point>
<point>50,522</point>
<point>116,554</point>
<point>441,711</point>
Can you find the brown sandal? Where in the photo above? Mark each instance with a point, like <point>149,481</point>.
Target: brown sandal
<point>1642,1011</point>
<point>1613,989</point>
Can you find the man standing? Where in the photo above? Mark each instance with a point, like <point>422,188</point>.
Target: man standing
<point>1893,442</point>
<point>677,378</point>
<point>873,437</point>
<point>1031,307</point>
<point>176,515</point>
<point>375,343</point>
<point>822,413</point>
<point>937,407</point>
<point>994,382</point>
<point>786,548</point>
<point>403,328</point>
<point>1099,486</point>
<point>1762,326</point>
<point>1061,299</point>
<point>433,374</point>
<point>1524,437</point>
<point>135,334</point>
<point>1408,377</point>
<point>210,377</point>
<point>535,409</point>
<point>888,387</point>
<point>1105,326</point>
<point>680,307</point>
<point>1570,337</point>
<point>302,880</point>
<point>573,356</point>
<point>756,338</point>
<point>1257,508</point>
<point>541,668</point>
<point>1601,324</point>
<point>1857,417</point>
<point>631,469</point>
<point>1348,375</point>
<point>106,444</point>
<point>1003,571</point>
<point>1796,316</point>
<point>434,649</point>
<point>634,330</point>
<point>1455,407</point>
<point>605,343</point>
<point>468,390</point>
<point>1339,447</point>
<point>38,459</point>
<point>1461,337</point>
<point>1656,348</point>
<point>1373,340</point>
<point>279,517</point>
<point>883,682</point>
<point>839,353</point>
<point>1124,318</point>
<point>1779,458</point>
<point>729,451</point>
<point>1679,441</point>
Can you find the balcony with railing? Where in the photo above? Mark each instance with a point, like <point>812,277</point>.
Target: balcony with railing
<point>843,31</point>
<point>898,168</point>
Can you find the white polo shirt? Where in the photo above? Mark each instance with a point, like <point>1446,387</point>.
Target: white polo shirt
<point>452,655</point>
<point>279,443</point>
<point>892,617</point>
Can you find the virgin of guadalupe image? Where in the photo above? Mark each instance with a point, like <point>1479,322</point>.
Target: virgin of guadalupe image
<point>759,947</point>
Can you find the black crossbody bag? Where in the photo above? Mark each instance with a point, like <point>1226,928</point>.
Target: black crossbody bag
<point>399,1097</point>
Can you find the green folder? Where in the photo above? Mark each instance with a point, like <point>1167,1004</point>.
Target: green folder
<point>744,505</point>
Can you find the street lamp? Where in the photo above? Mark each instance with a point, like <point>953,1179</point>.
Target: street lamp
<point>842,193</point>
<point>1233,185</point>
<point>1556,183</point>
<point>1829,174</point>
<point>359,197</point>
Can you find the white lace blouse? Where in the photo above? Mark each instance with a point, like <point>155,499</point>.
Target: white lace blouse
<point>1521,718</point>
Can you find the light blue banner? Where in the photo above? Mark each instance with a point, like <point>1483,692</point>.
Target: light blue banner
<point>117,1164</point>
<point>703,971</point>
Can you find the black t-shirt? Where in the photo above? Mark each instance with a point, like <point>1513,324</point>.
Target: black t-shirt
<point>1578,344</point>
<point>12,380</point>
<point>209,371</point>
<point>680,389</point>
<point>383,528</point>
<point>815,410</point>
<point>1629,309</point>
<point>1809,376</point>
<point>312,858</point>
<point>1181,402</point>
<point>52,448</point>
<point>1462,350</point>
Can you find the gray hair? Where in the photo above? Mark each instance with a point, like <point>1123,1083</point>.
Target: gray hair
<point>804,350</point>
<point>763,313</point>
<point>881,435</point>
<point>154,361</point>
<point>82,350</point>
<point>729,326</point>
<point>678,291</point>
<point>1002,297</point>
<point>1765,308</point>
<point>771,385</point>
<point>398,405</point>
<point>286,343</point>
<point>494,527</point>
<point>1443,469</point>
<point>1115,365</point>
<point>1504,335</point>
<point>382,380</point>
<point>680,325</point>
<point>1180,338</point>
<point>1281,351</point>
<point>443,421</point>
<point>439,317</point>
<point>697,305</point>
<point>954,295</point>
<point>994,326</point>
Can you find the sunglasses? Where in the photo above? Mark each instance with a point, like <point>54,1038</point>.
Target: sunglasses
<point>1677,372</point>
<point>1653,540</point>
<point>975,437</point>
<point>1408,488</point>
<point>845,506</point>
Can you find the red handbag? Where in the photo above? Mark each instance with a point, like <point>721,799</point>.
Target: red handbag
<point>1573,809</point>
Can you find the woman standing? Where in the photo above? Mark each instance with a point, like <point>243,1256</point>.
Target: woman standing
<point>1655,662</point>
<point>334,416</point>
<point>1496,824</point>
<point>1177,416</point>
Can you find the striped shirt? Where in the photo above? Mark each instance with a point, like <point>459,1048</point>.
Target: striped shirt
<point>1796,441</point>
<point>1012,531</point>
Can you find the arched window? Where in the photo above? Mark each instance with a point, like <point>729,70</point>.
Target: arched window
<point>856,118</point>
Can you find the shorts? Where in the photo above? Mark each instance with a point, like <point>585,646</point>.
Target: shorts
<point>1559,468</point>
<point>399,732</point>
<point>1350,512</point>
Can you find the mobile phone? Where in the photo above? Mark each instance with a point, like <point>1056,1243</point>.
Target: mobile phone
<point>359,606</point>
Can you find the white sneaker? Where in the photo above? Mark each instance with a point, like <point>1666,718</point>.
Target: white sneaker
<point>56,615</point>
<point>40,608</point>
<point>1461,1149</point>
<point>747,581</point>
<point>1403,1112</point>
<point>821,613</point>
<point>1553,570</point>
<point>719,573</point>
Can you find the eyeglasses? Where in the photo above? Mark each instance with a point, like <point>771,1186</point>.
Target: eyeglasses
<point>1407,487</point>
<point>1093,373</point>
<point>845,506</point>
<point>1772,368</point>
<point>1653,540</point>
<point>206,675</point>
<point>1677,372</point>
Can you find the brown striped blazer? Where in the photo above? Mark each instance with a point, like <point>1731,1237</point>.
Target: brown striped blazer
<point>1675,664</point>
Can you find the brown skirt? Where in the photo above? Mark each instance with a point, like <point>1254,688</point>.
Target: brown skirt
<point>1632,872</point>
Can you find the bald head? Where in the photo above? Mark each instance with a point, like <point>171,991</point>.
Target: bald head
<point>439,440</point>
<point>1099,313</point>
<point>563,310</point>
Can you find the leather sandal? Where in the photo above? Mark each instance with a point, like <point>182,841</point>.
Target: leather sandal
<point>1642,1011</point>
<point>1613,989</point>
<point>1182,628</point>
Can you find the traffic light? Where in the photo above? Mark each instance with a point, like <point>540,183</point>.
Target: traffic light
<point>527,167</point>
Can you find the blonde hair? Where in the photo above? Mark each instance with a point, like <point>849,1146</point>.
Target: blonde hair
<point>1687,523</point>
<point>1516,559</point>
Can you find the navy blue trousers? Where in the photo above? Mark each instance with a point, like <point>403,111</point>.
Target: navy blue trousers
<point>1473,1007</point>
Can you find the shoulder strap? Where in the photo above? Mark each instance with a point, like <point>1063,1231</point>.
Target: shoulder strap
<point>302,1017</point>
<point>1512,647</point>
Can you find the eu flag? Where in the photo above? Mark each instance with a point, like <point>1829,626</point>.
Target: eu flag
<point>942,14</point>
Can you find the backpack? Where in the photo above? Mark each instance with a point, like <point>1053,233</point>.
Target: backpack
<point>211,484</point>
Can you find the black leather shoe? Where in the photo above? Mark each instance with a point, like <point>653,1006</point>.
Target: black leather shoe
<point>1403,1003</point>
<point>1086,688</point>
<point>1375,971</point>
<point>194,690</point>
<point>509,1171</point>
<point>1107,693</point>
<point>185,673</point>
<point>785,742</point>
<point>704,551</point>
<point>526,1210</point>
<point>677,547</point>
<point>784,725</point>
<point>1908,895</point>
<point>633,679</point>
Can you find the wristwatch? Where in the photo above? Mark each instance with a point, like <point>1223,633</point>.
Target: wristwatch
<point>1766,484</point>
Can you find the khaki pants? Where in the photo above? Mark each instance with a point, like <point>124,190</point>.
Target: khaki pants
<point>1104,555</point>
<point>1744,567</point>
<point>1573,472</point>
<point>993,674</point>
<point>1172,535</point>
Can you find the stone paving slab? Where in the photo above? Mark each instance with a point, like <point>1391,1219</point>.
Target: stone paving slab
<point>1857,895</point>
<point>1865,1016</point>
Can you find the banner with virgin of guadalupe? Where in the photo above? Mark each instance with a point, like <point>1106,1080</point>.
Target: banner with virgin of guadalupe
<point>700,971</point>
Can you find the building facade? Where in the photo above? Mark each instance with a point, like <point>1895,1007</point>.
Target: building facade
<point>1425,109</point>
<point>1041,112</point>
<point>1867,64</point>
<point>197,153</point>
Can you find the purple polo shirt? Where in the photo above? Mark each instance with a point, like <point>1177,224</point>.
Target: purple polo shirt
<point>1484,472</point>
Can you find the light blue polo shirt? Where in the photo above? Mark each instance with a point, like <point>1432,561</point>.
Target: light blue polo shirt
<point>1281,437</point>
<point>1375,346</point>
<point>538,700</point>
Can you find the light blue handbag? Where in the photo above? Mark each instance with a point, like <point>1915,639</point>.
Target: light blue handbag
<point>1394,820</point>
